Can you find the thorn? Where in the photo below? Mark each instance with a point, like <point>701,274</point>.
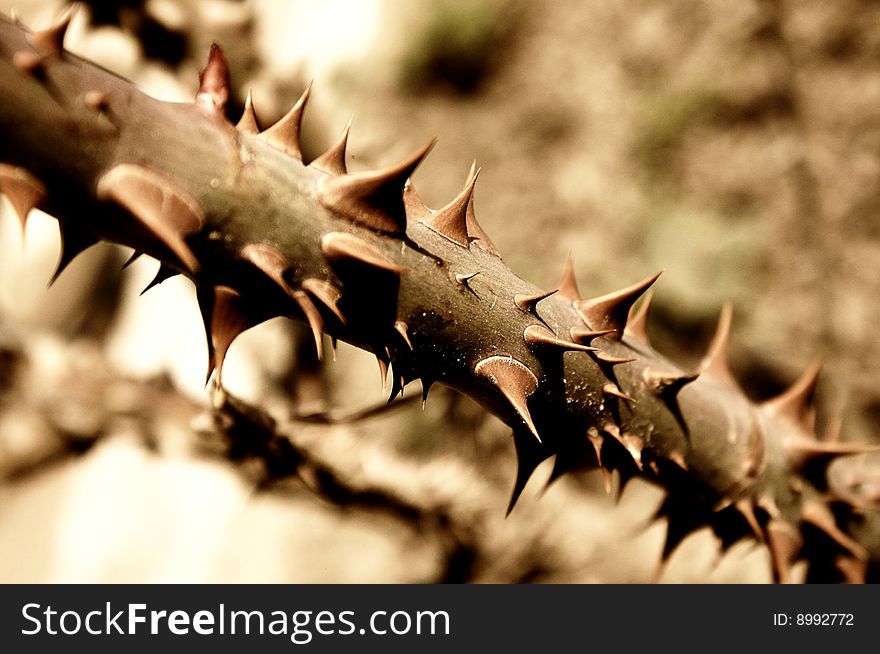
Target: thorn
<point>586,336</point>
<point>796,403</point>
<point>853,571</point>
<point>285,134</point>
<point>631,443</point>
<point>248,124</point>
<point>332,162</point>
<point>313,317</point>
<point>213,90</point>
<point>402,328</point>
<point>341,245</point>
<point>529,455</point>
<point>527,302</point>
<point>224,321</point>
<point>268,260</point>
<point>413,205</point>
<point>817,513</point>
<point>715,363</point>
<point>637,322</point>
<point>50,41</point>
<point>746,508</point>
<point>465,279</point>
<point>596,439</point>
<point>327,294</point>
<point>614,390</point>
<point>426,387</point>
<point>667,384</point>
<point>164,272</point>
<point>383,371</point>
<point>800,451</point>
<point>475,232</point>
<point>568,287</point>
<point>515,381</point>
<point>29,63</point>
<point>373,199</point>
<point>74,240</point>
<point>678,459</point>
<point>541,335</point>
<point>451,220</point>
<point>612,360</point>
<point>610,311</point>
<point>24,191</point>
<point>784,543</point>
<point>158,203</point>
<point>96,100</point>
<point>134,257</point>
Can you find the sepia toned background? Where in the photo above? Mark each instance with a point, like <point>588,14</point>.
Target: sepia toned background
<point>734,145</point>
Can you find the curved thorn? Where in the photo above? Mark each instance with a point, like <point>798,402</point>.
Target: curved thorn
<point>614,390</point>
<point>541,335</point>
<point>451,220</point>
<point>286,133</point>
<point>332,161</point>
<point>24,191</point>
<point>402,329</point>
<point>528,301</point>
<point>610,311</point>
<point>74,241</point>
<point>164,272</point>
<point>637,321</point>
<point>373,199</point>
<point>515,381</point>
<point>585,336</point>
<point>50,41</point>
<point>796,403</point>
<point>248,124</point>
<point>158,203</point>
<point>327,294</point>
<point>313,317</point>
<point>715,362</point>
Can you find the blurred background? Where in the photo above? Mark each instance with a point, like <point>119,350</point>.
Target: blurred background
<point>734,145</point>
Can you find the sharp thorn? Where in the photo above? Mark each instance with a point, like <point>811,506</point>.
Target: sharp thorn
<point>611,311</point>
<point>514,380</point>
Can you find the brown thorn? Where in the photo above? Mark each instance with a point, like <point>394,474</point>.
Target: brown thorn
<point>596,439</point>
<point>475,232</point>
<point>213,90</point>
<point>464,280</point>
<point>158,203</point>
<point>224,321</point>
<point>796,403</point>
<point>50,41</point>
<point>313,317</point>
<point>585,336</point>
<point>715,362</point>
<point>29,63</point>
<point>373,199</point>
<point>131,259</point>
<point>95,100</point>
<point>610,359</point>
<point>746,508</point>
<point>341,245</point>
<point>332,161</point>
<point>327,294</point>
<point>784,543</point>
<point>285,134</point>
<point>248,124</point>
<point>528,301</point>
<point>269,260</point>
<point>541,335</point>
<point>663,383</point>
<point>383,371</point>
<point>413,205</point>
<point>24,191</point>
<point>402,329</point>
<point>610,311</point>
<point>451,220</point>
<point>568,287</point>
<point>637,321</point>
<point>614,390</point>
<point>678,459</point>
<point>817,513</point>
<point>515,381</point>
